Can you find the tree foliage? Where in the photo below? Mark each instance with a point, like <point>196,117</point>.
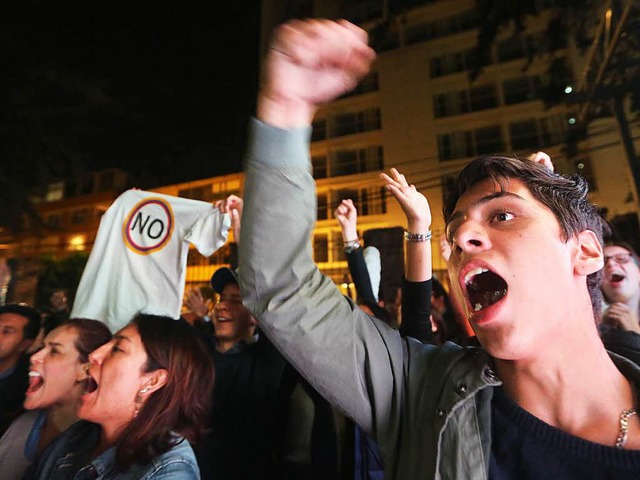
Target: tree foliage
<point>578,19</point>
<point>47,108</point>
<point>58,274</point>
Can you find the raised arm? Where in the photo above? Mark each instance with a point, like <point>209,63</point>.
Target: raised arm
<point>353,361</point>
<point>418,235</point>
<point>347,216</point>
<point>233,206</point>
<point>416,286</point>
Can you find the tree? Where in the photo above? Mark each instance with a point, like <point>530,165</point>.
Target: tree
<point>47,108</point>
<point>58,274</point>
<point>608,33</point>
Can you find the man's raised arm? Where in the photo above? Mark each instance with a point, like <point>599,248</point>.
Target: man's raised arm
<point>354,362</point>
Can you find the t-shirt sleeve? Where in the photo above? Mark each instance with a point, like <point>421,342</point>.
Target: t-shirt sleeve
<point>209,232</point>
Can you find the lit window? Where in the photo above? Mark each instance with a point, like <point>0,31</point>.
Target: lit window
<point>77,243</point>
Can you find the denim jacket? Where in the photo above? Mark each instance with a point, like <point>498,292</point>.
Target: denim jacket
<point>428,407</point>
<point>68,458</point>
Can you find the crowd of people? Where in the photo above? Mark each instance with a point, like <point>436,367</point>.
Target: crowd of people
<point>525,364</point>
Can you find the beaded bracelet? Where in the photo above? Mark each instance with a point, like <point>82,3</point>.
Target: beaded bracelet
<point>417,237</point>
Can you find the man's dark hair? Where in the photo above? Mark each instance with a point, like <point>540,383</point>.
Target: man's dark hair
<point>565,196</point>
<point>437,290</point>
<point>32,315</point>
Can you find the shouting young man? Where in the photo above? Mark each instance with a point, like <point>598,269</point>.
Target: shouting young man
<point>541,399</point>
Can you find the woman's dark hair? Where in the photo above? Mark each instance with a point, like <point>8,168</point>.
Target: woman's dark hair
<point>181,407</point>
<point>566,197</point>
<point>91,335</point>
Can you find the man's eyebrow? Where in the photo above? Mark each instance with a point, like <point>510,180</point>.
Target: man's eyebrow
<point>54,344</point>
<point>485,199</point>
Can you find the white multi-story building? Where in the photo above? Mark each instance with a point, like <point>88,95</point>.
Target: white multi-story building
<point>420,112</point>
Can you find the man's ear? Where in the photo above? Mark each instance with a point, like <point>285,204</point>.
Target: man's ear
<point>589,255</point>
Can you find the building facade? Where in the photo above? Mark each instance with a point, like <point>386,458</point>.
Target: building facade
<point>419,111</point>
<point>422,112</point>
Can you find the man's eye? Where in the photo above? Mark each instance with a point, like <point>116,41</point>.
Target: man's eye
<point>504,216</point>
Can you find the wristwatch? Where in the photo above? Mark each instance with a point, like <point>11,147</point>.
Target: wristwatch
<point>351,246</point>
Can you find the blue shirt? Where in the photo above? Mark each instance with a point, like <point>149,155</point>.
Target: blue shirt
<point>68,457</point>
<point>524,447</point>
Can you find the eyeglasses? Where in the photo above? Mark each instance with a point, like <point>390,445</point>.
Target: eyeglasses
<point>619,258</point>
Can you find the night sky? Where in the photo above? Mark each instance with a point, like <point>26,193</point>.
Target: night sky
<point>163,92</point>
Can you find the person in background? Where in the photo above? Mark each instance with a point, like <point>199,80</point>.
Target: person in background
<point>621,287</point>
<point>19,327</point>
<point>262,409</point>
<point>56,311</point>
<point>359,268</point>
<point>56,382</point>
<point>199,302</point>
<point>148,395</point>
<point>620,328</point>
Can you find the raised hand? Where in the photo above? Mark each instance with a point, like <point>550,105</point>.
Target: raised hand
<point>347,217</point>
<point>233,206</point>
<point>310,63</point>
<point>196,303</point>
<point>541,158</point>
<point>619,315</point>
<point>414,205</point>
<point>417,267</point>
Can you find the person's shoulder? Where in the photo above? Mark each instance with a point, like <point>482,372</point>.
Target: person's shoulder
<point>446,356</point>
<point>25,421</point>
<point>79,432</point>
<point>178,463</point>
<point>19,373</point>
<point>16,435</point>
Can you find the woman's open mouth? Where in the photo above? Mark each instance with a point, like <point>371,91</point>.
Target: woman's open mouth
<point>90,385</point>
<point>35,382</point>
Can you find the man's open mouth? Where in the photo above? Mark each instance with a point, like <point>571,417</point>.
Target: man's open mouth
<point>484,288</point>
<point>616,277</point>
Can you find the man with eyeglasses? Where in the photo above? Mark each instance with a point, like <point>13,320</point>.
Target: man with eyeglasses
<point>620,329</point>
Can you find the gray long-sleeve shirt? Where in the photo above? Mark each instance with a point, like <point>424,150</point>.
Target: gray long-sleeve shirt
<point>429,408</point>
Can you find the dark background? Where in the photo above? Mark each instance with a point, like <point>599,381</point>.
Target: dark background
<point>162,91</point>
